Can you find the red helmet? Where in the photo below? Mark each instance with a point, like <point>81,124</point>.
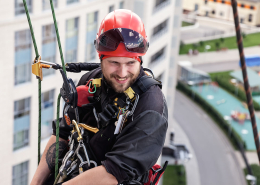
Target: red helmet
<point>121,33</point>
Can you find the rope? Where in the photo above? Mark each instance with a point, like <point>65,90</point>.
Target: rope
<point>58,103</point>
<point>39,80</point>
<point>245,77</point>
<point>58,36</point>
<point>57,136</point>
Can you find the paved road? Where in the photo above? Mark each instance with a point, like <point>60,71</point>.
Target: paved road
<point>216,67</point>
<point>215,156</point>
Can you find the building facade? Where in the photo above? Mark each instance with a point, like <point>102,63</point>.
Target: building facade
<point>249,10</point>
<point>78,21</point>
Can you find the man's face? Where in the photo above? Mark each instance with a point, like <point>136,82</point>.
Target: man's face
<point>120,72</point>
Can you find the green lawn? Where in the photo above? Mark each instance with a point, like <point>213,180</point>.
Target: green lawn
<point>183,24</point>
<point>230,43</point>
<point>174,175</point>
<point>256,172</point>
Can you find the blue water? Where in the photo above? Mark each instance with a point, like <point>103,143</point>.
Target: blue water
<point>225,103</point>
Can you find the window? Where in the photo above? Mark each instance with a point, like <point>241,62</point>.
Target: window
<point>111,8</point>
<point>121,5</point>
<point>46,4</point>
<point>19,7</point>
<point>21,123</point>
<point>196,7</point>
<point>250,17</point>
<point>23,55</point>
<point>92,26</point>
<point>160,27</point>
<point>71,40</point>
<point>48,47</point>
<point>20,174</point>
<point>47,113</point>
<point>72,1</point>
<point>159,2</point>
<point>158,55</point>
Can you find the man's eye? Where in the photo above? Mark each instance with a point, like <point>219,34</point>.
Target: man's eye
<point>130,63</point>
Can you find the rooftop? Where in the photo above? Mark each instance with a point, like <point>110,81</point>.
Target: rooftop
<point>254,78</point>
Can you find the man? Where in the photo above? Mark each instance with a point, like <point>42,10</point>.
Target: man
<point>128,154</point>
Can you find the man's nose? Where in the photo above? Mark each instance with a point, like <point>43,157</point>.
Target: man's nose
<point>122,71</point>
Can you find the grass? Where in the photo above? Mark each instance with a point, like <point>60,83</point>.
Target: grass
<point>174,175</point>
<point>256,172</point>
<point>183,24</point>
<point>230,43</point>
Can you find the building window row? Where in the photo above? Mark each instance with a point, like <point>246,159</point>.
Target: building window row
<point>22,109</point>
<point>20,173</point>
<point>157,57</point>
<point>251,7</point>
<point>19,7</point>
<point>46,4</point>
<point>21,123</point>
<point>159,30</point>
<point>22,56</point>
<point>23,46</point>
<point>160,4</point>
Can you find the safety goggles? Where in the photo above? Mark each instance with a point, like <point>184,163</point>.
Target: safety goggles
<point>133,41</point>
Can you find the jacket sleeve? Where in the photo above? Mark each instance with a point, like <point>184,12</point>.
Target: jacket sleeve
<point>138,146</point>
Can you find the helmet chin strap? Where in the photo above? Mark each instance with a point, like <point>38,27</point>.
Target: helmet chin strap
<point>102,56</point>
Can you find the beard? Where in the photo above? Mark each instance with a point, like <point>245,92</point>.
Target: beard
<point>117,87</point>
<point>120,88</point>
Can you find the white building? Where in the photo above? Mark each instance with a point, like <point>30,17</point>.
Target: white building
<point>78,21</point>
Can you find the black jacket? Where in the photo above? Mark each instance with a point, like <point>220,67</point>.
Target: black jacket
<point>136,149</point>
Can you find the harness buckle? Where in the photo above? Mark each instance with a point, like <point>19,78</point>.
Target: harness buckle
<point>129,93</point>
<point>97,82</point>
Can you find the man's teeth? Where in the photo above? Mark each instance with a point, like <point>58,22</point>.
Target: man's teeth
<point>121,79</point>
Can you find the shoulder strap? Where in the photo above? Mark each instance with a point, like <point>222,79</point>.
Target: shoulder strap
<point>144,83</point>
<point>91,74</point>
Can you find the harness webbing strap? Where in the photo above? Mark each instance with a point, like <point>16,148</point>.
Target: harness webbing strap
<point>39,80</point>
<point>144,83</point>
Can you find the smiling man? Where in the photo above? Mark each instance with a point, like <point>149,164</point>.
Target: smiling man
<point>129,110</point>
<point>120,72</point>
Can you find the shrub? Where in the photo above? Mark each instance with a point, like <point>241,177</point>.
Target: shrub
<point>256,172</point>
